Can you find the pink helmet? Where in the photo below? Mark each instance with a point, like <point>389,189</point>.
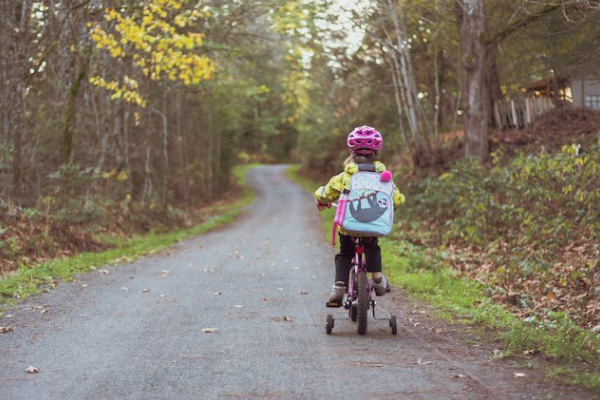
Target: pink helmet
<point>364,138</point>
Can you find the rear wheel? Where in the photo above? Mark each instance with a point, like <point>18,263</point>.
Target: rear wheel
<point>329,325</point>
<point>362,307</point>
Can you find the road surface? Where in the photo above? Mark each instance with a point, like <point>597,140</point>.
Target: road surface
<point>238,313</point>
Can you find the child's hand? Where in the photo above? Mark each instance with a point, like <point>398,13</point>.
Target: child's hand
<point>322,206</point>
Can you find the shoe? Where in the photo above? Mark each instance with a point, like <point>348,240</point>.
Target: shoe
<point>338,290</point>
<point>381,287</point>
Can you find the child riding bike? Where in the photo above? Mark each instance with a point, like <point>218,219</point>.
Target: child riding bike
<point>364,144</point>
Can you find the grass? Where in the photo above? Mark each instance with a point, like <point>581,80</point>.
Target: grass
<point>27,281</point>
<point>422,273</point>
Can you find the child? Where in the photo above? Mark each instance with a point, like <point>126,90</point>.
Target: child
<point>364,144</point>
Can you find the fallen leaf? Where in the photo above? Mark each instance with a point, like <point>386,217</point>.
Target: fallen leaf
<point>287,319</point>
<point>303,292</point>
<point>280,289</point>
<point>460,376</point>
<point>163,295</point>
<point>217,293</point>
<point>208,269</point>
<point>209,330</point>
<point>125,288</point>
<point>238,306</point>
<point>265,299</point>
<point>104,271</point>
<point>6,329</point>
<point>164,272</point>
<point>43,311</point>
<point>145,290</point>
<point>421,362</point>
<point>438,330</point>
<point>84,285</point>
<point>529,352</point>
<point>520,375</point>
<point>32,370</point>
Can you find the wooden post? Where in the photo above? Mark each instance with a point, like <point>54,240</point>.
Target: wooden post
<point>514,114</point>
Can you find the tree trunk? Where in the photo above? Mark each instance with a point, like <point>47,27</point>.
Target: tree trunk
<point>70,110</point>
<point>476,79</point>
<point>18,133</point>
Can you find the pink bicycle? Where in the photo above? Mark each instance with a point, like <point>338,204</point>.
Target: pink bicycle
<point>359,295</point>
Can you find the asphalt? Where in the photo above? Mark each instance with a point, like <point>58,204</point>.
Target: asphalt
<point>238,313</point>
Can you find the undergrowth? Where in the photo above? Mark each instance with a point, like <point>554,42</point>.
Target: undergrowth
<point>29,280</point>
<point>530,229</point>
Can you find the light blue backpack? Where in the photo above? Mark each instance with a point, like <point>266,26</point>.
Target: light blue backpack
<point>366,208</point>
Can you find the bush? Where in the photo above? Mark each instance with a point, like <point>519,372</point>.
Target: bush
<point>542,200</point>
<point>530,228</point>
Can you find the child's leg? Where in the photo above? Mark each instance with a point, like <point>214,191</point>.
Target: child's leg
<point>343,259</point>
<point>373,260</point>
<point>373,256</point>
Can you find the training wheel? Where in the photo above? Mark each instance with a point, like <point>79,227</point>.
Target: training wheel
<point>393,325</point>
<point>329,325</point>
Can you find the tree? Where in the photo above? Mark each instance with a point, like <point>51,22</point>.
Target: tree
<point>476,78</point>
<point>478,57</point>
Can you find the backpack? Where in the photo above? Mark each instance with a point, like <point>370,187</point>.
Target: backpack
<point>366,208</point>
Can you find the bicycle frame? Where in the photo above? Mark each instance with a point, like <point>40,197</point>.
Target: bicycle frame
<point>358,266</point>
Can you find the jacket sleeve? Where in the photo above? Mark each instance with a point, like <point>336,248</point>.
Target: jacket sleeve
<point>331,192</point>
<point>398,197</point>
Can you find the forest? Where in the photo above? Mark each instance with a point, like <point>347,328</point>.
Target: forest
<point>123,117</point>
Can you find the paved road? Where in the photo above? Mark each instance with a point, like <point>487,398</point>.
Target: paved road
<point>136,332</point>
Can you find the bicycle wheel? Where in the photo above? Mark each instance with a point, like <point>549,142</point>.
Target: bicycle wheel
<point>329,325</point>
<point>363,303</point>
<point>393,324</point>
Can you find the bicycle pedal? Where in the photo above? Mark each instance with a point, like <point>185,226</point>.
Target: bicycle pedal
<point>333,304</point>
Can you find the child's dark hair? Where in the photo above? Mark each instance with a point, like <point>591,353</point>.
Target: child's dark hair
<point>361,158</point>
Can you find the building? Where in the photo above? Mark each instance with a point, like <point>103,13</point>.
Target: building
<point>586,92</point>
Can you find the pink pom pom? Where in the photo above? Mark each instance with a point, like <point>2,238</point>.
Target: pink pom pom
<point>386,176</point>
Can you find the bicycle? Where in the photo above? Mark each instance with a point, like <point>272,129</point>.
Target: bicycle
<point>359,295</point>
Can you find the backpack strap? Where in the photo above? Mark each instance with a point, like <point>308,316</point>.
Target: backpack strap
<point>368,167</point>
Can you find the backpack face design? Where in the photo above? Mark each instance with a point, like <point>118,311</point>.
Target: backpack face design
<point>377,206</point>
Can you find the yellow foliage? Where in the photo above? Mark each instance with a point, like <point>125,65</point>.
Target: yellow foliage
<point>122,176</point>
<point>154,45</point>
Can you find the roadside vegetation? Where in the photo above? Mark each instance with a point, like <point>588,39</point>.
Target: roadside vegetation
<point>34,277</point>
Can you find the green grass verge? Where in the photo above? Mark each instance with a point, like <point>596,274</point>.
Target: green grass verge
<point>422,273</point>
<point>31,280</point>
